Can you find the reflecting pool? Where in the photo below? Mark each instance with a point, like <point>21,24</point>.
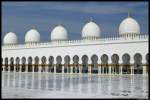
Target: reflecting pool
<point>47,85</point>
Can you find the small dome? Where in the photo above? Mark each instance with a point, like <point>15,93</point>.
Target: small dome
<point>129,26</point>
<point>10,38</point>
<point>91,29</point>
<point>59,33</point>
<point>32,36</point>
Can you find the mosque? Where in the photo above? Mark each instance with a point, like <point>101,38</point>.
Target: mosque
<point>126,54</point>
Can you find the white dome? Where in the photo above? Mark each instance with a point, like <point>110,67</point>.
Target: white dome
<point>129,26</point>
<point>59,33</point>
<point>32,36</point>
<point>10,38</point>
<point>91,29</point>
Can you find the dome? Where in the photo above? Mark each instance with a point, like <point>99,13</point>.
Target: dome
<point>59,33</point>
<point>129,26</point>
<point>32,36</point>
<point>10,38</point>
<point>91,29</point>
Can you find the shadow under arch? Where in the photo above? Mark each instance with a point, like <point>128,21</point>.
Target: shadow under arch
<point>43,60</point>
<point>138,68</point>
<point>104,62</point>
<point>36,64</point>
<point>67,64</point>
<point>58,64</point>
<point>75,64</point>
<point>126,64</point>
<point>50,65</point>
<point>94,64</point>
<point>115,62</point>
<point>23,59</point>
<point>84,64</point>
<point>18,64</point>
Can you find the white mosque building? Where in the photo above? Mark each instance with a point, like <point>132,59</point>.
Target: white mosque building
<point>126,54</point>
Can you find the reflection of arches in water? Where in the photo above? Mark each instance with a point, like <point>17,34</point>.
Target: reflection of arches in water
<point>104,59</point>
<point>23,64</point>
<point>30,64</point>
<point>94,67</point>
<point>126,63</point>
<point>51,62</point>
<point>67,64</point>
<point>6,64</point>
<point>36,59</point>
<point>84,64</point>
<point>43,59</point>
<point>147,62</point>
<point>58,64</point>
<point>17,64</point>
<point>76,64</point>
<point>138,63</point>
<point>115,62</point>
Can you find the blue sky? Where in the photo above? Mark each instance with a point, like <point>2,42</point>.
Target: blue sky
<point>19,17</point>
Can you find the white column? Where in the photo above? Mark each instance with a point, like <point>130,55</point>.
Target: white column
<point>55,66</point>
<point>99,68</point>
<point>89,67</point>
<point>8,66</point>
<point>120,67</point>
<point>71,67</point>
<point>63,67</point>
<point>20,65</point>
<point>132,67</point>
<point>109,62</point>
<point>144,67</point>
<point>40,66</point>
<point>26,67</point>
<point>33,66</point>
<point>80,67</point>
<point>14,66</point>
<point>46,67</point>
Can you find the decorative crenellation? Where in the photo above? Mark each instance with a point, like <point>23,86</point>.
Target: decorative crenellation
<point>75,42</point>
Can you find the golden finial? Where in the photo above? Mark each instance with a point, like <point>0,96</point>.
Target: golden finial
<point>33,27</point>
<point>129,14</point>
<point>91,19</point>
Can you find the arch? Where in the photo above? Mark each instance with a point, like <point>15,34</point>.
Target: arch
<point>36,60</point>
<point>115,62</point>
<point>75,64</point>
<point>17,64</point>
<point>30,64</point>
<point>94,66</point>
<point>84,64</point>
<point>23,60</point>
<point>104,62</point>
<point>126,63</point>
<point>138,63</point>
<point>51,62</point>
<point>67,64</point>
<point>58,64</point>
<point>6,64</point>
<point>43,60</point>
